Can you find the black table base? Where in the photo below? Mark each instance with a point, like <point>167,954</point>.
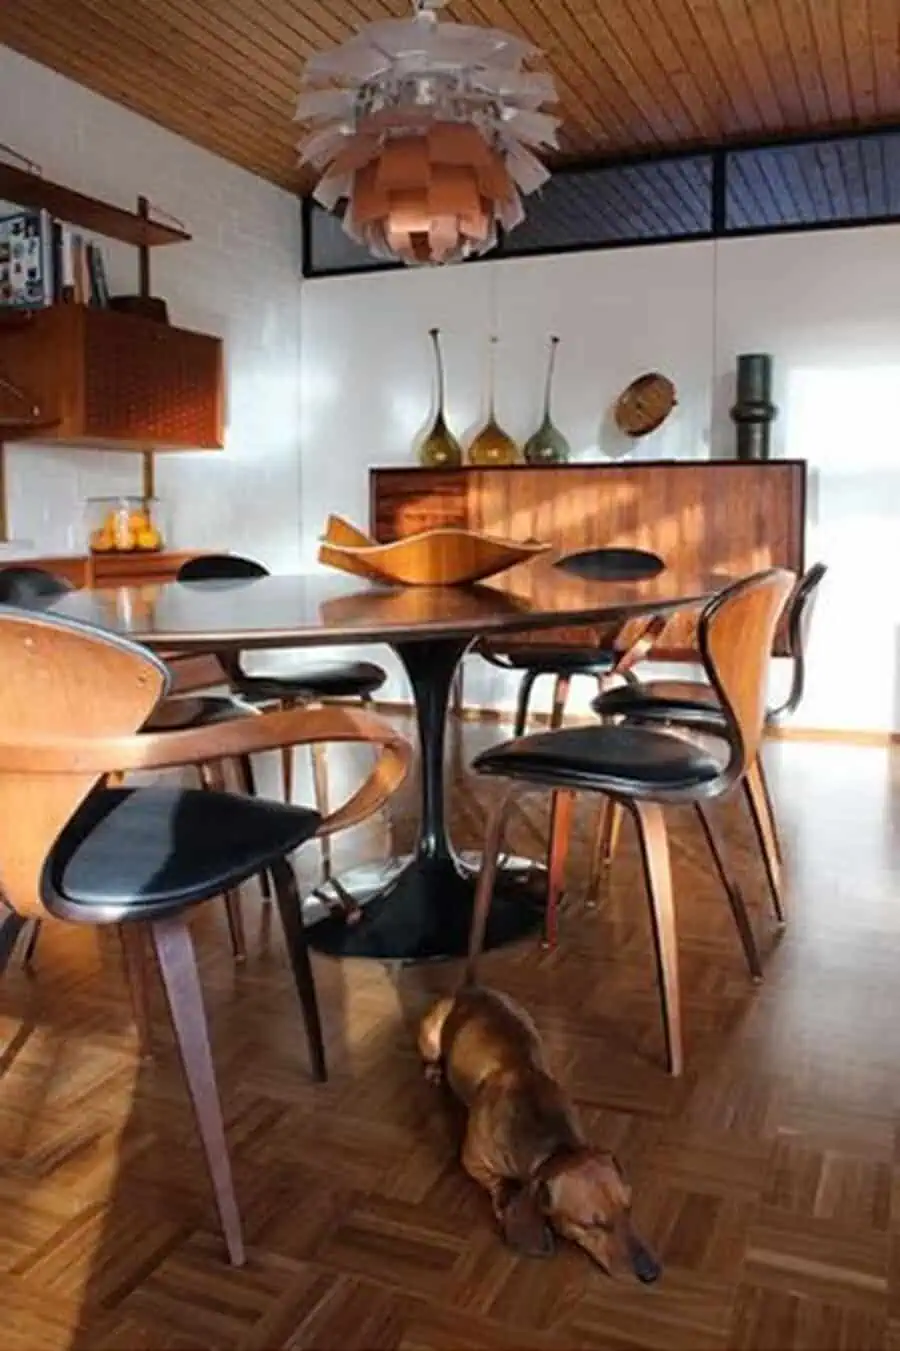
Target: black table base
<point>423,913</point>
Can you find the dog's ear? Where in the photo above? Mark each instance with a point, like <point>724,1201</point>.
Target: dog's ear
<point>525,1227</point>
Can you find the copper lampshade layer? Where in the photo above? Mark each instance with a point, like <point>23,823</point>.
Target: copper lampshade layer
<point>425,198</point>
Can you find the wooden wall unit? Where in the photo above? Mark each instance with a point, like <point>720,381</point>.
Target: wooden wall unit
<point>117,381</point>
<point>700,516</point>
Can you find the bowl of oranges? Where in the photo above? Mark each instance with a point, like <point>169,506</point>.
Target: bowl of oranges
<point>124,525</point>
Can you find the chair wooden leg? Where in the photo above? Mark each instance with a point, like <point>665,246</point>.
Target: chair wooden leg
<point>291,911</point>
<point>11,925</point>
<point>526,685</point>
<point>318,756</point>
<point>31,945</point>
<point>763,824</point>
<point>484,889</point>
<point>247,779</point>
<point>733,892</point>
<point>561,686</point>
<point>287,761</point>
<point>134,958</point>
<point>560,824</point>
<point>606,841</point>
<point>181,982</point>
<point>654,844</point>
<point>212,776</point>
<point>561,811</point>
<point>770,810</point>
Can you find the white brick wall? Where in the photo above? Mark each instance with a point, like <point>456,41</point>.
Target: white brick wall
<point>239,278</point>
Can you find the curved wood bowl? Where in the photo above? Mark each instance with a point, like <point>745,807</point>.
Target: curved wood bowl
<point>444,557</point>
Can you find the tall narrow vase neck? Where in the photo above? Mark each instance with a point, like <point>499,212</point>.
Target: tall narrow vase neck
<point>491,371</point>
<point>551,362</point>
<point>434,334</point>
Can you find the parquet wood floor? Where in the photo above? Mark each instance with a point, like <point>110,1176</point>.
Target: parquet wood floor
<point>768,1180</point>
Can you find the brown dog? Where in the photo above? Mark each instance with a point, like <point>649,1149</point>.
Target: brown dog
<point>523,1143</point>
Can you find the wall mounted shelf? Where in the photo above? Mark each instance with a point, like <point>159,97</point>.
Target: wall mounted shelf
<point>97,377</point>
<point>115,222</point>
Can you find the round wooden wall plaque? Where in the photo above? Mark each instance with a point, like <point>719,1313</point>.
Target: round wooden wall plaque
<point>645,404</point>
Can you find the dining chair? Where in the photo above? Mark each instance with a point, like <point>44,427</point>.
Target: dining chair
<point>75,701</point>
<point>564,663</point>
<point>34,588</point>
<point>311,683</point>
<point>695,704</point>
<point>646,769</point>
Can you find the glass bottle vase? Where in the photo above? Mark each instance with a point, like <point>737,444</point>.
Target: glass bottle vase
<point>439,448</point>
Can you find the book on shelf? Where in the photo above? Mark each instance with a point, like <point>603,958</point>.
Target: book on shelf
<point>43,261</point>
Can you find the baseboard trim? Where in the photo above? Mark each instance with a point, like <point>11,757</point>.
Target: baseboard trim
<point>845,736</point>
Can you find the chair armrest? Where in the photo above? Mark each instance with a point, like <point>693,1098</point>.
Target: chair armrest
<point>241,736</point>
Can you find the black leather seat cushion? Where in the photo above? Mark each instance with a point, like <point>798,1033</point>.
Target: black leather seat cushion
<point>635,761</point>
<point>328,680</point>
<point>205,710</point>
<point>688,702</point>
<point>146,852</point>
<point>561,660</point>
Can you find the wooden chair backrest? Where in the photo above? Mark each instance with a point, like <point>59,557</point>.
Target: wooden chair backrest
<point>736,633</point>
<point>61,680</point>
<point>799,611</point>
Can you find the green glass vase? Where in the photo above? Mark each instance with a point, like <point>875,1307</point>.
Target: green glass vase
<point>439,448</point>
<point>548,445</point>
<point>492,445</point>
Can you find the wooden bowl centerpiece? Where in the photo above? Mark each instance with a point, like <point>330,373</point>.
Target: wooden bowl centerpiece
<point>443,557</point>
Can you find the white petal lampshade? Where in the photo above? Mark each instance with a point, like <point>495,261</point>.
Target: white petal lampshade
<point>425,135</point>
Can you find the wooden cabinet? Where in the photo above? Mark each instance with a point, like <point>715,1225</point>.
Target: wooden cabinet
<point>703,517</point>
<point>116,381</point>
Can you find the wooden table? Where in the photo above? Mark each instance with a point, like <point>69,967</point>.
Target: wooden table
<point>423,912</point>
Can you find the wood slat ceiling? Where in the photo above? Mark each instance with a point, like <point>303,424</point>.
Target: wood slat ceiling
<point>632,75</point>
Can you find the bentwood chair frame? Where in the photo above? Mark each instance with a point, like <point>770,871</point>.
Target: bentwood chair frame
<point>289,691</point>
<point>609,660</point>
<point>735,632</point>
<point>74,700</point>
<point>693,706</point>
<point>30,587</point>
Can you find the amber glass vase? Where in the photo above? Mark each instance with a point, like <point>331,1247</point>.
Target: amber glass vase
<point>439,448</point>
<point>492,445</point>
<point>548,445</point>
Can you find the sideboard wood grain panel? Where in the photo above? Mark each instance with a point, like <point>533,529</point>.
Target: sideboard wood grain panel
<point>700,516</point>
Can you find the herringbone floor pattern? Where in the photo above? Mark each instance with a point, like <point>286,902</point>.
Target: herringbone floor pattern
<point>768,1180</point>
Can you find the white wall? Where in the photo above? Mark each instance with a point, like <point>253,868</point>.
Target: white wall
<point>825,305</point>
<point>238,278</point>
<point>828,307</point>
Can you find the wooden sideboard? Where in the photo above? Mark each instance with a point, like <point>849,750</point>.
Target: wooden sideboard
<point>701,516</point>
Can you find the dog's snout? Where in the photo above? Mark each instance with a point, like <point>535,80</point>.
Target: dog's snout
<point>644,1264</point>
